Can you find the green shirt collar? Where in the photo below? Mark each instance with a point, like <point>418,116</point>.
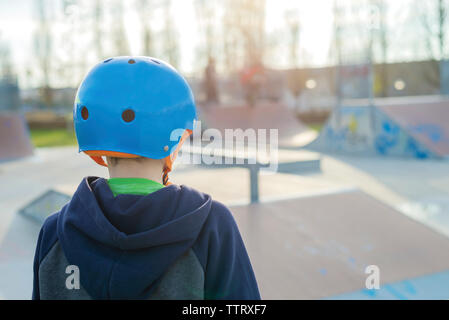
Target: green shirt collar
<point>137,186</point>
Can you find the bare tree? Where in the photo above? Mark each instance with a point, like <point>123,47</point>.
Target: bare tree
<point>336,50</point>
<point>145,8</point>
<point>433,18</point>
<point>442,15</point>
<point>43,50</point>
<point>206,12</point>
<point>244,32</point>
<point>441,33</point>
<point>292,18</point>
<point>98,30</point>
<point>65,53</point>
<point>352,28</point>
<point>119,38</point>
<point>382,41</point>
<point>170,43</point>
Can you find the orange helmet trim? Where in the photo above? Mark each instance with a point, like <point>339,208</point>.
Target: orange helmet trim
<point>97,155</point>
<point>99,160</point>
<point>100,153</point>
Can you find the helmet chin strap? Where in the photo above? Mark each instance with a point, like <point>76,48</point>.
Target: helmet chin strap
<point>99,160</point>
<point>171,158</point>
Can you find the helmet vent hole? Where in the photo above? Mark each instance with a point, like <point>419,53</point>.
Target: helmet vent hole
<point>131,61</point>
<point>107,60</point>
<point>84,113</point>
<point>166,148</point>
<point>155,61</point>
<point>128,115</point>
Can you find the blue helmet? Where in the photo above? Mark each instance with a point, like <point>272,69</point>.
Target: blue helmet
<point>129,106</point>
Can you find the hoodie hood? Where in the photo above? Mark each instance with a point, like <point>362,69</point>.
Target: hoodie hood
<point>123,244</point>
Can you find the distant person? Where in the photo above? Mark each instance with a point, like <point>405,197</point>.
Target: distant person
<point>136,235</point>
<point>210,82</point>
<point>251,79</point>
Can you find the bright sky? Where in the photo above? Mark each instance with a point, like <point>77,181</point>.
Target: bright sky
<point>17,25</point>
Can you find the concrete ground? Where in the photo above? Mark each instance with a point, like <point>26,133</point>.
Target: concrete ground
<point>419,189</point>
<point>319,247</point>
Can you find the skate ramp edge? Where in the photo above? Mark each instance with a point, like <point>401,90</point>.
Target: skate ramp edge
<point>15,140</point>
<point>291,131</point>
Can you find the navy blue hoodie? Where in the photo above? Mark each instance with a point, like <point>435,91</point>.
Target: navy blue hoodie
<point>175,243</point>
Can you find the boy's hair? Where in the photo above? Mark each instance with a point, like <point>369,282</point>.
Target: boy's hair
<point>113,161</point>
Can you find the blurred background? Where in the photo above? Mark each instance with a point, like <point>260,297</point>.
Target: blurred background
<point>47,46</point>
<point>357,89</point>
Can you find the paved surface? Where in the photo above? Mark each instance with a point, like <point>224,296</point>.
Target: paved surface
<point>418,188</point>
<point>62,169</point>
<point>319,246</point>
<point>428,287</point>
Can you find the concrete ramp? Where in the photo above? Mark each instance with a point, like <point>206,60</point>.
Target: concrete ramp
<point>428,123</point>
<point>319,247</point>
<point>407,127</point>
<point>264,116</point>
<point>14,137</point>
<point>46,204</point>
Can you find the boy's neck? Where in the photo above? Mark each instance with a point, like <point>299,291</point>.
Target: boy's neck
<point>136,171</point>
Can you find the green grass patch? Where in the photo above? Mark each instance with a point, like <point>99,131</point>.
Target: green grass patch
<point>316,126</point>
<point>52,137</point>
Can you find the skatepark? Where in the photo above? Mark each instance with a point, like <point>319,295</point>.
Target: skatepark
<point>339,184</point>
<point>313,228</point>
